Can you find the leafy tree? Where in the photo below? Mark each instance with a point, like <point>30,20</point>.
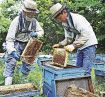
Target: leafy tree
<point>8,10</point>
<point>53,33</point>
<point>93,10</point>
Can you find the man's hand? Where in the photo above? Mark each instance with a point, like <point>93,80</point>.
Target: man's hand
<point>69,48</point>
<point>15,55</point>
<point>33,34</point>
<point>56,46</point>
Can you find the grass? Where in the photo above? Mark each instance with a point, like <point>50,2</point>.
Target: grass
<point>98,82</point>
<point>1,72</point>
<point>35,77</point>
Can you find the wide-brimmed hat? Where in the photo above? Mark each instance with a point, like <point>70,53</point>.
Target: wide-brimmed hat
<point>56,9</point>
<point>30,6</point>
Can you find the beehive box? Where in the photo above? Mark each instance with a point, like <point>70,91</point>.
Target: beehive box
<point>30,51</point>
<point>43,59</point>
<point>100,72</point>
<point>56,81</point>
<point>19,90</point>
<point>60,57</point>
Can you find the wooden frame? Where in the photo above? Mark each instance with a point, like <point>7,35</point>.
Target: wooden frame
<point>60,57</point>
<point>30,51</point>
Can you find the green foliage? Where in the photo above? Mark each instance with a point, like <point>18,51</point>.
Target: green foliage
<point>99,84</point>
<point>1,72</point>
<point>4,23</point>
<point>53,32</point>
<point>93,10</point>
<point>7,12</point>
<point>35,76</point>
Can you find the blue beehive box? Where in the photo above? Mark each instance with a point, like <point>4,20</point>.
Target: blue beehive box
<point>99,68</point>
<point>99,65</point>
<point>41,59</point>
<point>57,81</point>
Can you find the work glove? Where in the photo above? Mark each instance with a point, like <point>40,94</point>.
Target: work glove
<point>56,46</point>
<point>15,55</point>
<point>33,34</point>
<point>69,48</point>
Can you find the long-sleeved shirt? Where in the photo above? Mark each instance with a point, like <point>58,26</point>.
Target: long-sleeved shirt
<point>13,34</point>
<point>86,36</point>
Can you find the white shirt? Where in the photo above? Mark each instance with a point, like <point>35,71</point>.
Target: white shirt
<point>86,37</point>
<point>13,29</point>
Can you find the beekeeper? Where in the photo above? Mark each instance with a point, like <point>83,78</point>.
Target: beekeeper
<point>78,34</point>
<point>21,29</point>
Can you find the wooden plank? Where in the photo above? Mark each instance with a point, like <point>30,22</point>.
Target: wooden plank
<point>90,85</point>
<point>51,64</point>
<point>30,51</point>
<point>17,88</point>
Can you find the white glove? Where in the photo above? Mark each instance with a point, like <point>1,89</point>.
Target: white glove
<point>69,48</point>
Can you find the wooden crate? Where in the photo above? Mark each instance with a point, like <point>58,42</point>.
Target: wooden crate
<point>60,57</point>
<point>30,51</point>
<point>57,80</point>
<point>17,89</point>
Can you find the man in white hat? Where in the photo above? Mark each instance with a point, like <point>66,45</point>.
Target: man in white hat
<point>78,34</point>
<point>22,28</point>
